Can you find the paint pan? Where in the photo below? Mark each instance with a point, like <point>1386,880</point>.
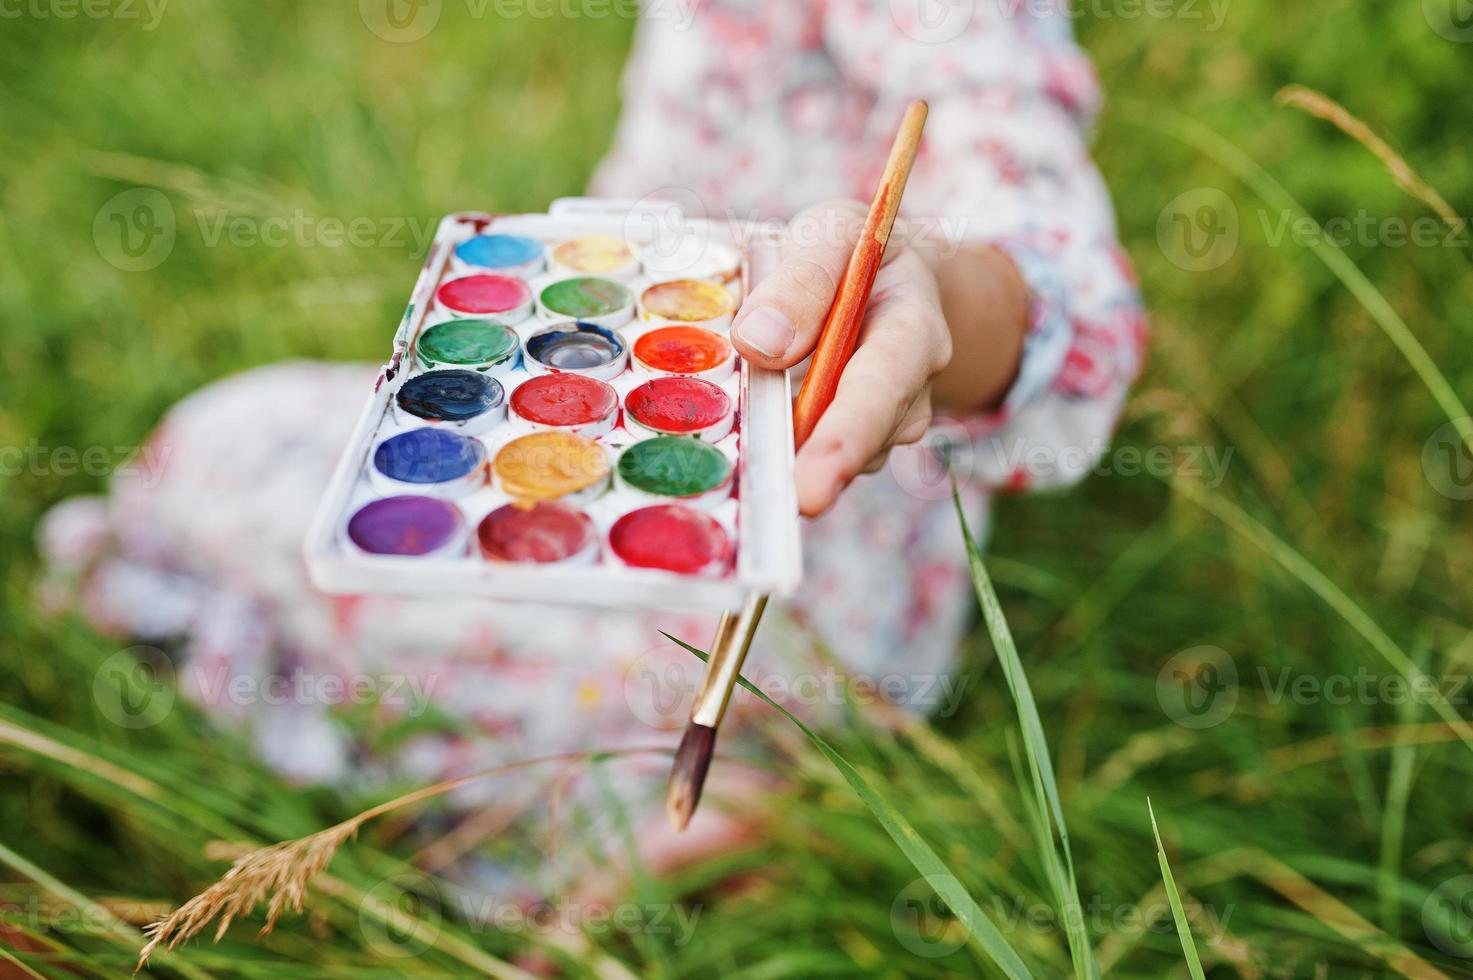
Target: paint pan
<point>595,255</point>
<point>679,406</point>
<point>547,532</point>
<point>466,401</point>
<point>671,537</point>
<point>506,255</point>
<point>429,461</point>
<point>687,302</point>
<point>676,467</point>
<point>579,348</point>
<point>572,403</point>
<point>481,345</point>
<point>695,257</point>
<point>688,351</point>
<point>409,526</point>
<point>484,295</point>
<point>587,300</point>
<point>550,466</point>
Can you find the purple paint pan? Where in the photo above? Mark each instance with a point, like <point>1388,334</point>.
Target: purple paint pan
<point>410,525</point>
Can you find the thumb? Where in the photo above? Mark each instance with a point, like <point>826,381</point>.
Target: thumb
<point>779,323</point>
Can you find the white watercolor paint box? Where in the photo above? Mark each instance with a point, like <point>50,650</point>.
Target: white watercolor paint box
<point>755,507</point>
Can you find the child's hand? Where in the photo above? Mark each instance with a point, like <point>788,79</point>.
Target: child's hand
<point>884,396</point>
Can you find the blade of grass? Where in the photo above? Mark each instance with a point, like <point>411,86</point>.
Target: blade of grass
<point>1035,745</point>
<point>1393,822</point>
<point>1183,928</point>
<point>1319,104</point>
<point>1331,912</point>
<point>647,892</point>
<point>1332,595</point>
<point>7,957</point>
<point>978,924</point>
<point>1261,182</point>
<point>120,931</point>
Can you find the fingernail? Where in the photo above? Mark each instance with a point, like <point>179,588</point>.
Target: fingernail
<point>766,329</point>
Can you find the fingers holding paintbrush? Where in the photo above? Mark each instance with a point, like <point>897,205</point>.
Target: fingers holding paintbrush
<point>870,316</point>
<point>768,331</point>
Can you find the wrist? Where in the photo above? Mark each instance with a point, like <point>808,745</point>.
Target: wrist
<point>985,300</point>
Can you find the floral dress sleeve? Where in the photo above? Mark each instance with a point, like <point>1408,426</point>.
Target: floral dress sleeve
<point>1006,161</point>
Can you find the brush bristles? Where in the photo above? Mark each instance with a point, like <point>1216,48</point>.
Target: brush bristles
<point>688,774</point>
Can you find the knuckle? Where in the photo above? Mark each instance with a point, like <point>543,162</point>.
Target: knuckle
<point>914,429</point>
<point>831,223</point>
<point>942,349</point>
<point>841,206</point>
<point>924,329</point>
<point>846,453</point>
<point>809,279</point>
<point>906,260</point>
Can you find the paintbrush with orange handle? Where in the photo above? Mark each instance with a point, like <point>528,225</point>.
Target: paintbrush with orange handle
<point>835,345</point>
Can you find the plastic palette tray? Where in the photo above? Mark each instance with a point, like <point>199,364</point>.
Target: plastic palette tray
<point>759,515</point>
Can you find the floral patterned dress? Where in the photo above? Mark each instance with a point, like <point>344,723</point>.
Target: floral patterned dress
<point>775,104</point>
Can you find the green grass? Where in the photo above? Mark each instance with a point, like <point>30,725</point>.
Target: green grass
<point>1305,838</point>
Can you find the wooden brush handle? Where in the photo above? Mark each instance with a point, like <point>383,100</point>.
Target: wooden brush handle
<point>728,652</point>
<point>841,327</point>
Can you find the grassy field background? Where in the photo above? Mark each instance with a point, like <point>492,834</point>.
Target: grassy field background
<point>1309,837</point>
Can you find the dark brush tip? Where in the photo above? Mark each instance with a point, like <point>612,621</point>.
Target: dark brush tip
<point>688,774</point>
